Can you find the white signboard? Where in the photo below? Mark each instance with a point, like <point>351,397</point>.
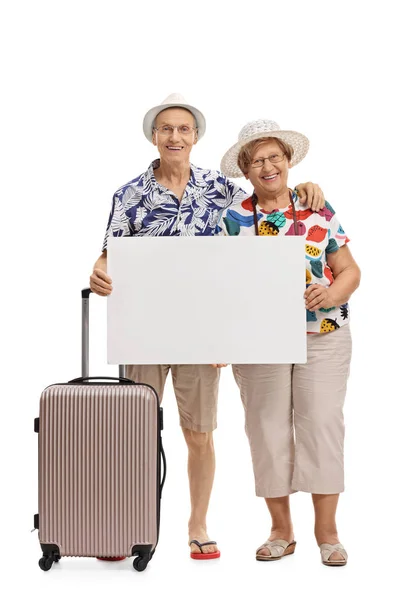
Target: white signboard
<point>204,300</point>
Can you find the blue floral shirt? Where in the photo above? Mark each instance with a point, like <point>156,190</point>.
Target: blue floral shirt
<point>145,207</point>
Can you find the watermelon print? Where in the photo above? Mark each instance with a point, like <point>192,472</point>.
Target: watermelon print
<point>322,234</point>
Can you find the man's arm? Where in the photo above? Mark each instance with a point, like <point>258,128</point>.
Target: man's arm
<point>311,194</point>
<point>100,282</point>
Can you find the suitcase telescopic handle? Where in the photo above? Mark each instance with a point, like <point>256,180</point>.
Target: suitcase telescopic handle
<point>85,336</point>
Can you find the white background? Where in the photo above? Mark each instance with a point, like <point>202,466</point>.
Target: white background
<point>77,78</point>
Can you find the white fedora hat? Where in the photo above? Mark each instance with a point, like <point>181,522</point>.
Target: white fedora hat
<point>263,128</point>
<point>172,101</point>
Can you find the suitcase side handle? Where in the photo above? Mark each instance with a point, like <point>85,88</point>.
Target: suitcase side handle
<point>164,461</point>
<point>85,293</point>
<point>123,380</point>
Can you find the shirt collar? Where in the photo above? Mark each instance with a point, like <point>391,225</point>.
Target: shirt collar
<point>195,180</point>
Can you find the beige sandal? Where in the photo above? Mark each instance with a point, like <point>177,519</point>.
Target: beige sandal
<point>326,552</point>
<point>277,548</point>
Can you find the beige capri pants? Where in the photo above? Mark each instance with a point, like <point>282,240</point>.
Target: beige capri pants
<point>294,418</point>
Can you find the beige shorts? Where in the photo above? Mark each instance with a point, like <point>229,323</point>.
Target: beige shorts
<point>196,391</point>
<point>294,418</point>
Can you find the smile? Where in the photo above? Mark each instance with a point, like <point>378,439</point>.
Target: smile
<point>270,177</point>
<point>174,148</point>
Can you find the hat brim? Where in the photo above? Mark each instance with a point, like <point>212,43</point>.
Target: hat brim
<point>150,117</point>
<point>299,142</point>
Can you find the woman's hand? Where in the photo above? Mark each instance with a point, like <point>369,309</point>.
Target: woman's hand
<point>100,282</point>
<point>317,296</point>
<point>311,194</point>
<point>217,366</point>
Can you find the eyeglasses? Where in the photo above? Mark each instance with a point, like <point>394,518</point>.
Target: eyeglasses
<point>169,129</point>
<point>272,158</point>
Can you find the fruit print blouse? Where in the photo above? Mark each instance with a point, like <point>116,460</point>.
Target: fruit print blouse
<point>322,234</point>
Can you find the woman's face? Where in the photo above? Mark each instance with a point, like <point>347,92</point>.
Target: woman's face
<point>269,178</point>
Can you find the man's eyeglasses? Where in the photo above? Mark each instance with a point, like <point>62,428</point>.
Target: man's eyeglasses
<point>272,158</point>
<point>169,129</point>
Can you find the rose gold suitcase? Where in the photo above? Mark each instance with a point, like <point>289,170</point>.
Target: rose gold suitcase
<point>100,453</point>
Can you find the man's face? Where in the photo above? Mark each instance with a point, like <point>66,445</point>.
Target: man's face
<point>174,145</point>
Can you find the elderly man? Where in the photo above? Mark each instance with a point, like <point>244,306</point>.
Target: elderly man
<point>174,197</point>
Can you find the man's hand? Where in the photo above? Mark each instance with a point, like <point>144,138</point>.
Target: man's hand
<point>311,194</point>
<point>217,366</point>
<point>100,282</point>
<point>317,296</point>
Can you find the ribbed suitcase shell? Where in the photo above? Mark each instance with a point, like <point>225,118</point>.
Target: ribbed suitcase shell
<point>99,468</point>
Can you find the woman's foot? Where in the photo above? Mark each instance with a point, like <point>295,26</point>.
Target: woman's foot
<point>330,537</point>
<point>277,534</point>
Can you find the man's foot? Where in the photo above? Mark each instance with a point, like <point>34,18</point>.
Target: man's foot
<point>277,534</point>
<point>325,537</point>
<point>200,535</point>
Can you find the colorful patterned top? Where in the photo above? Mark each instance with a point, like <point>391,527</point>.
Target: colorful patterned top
<point>145,207</point>
<point>323,234</point>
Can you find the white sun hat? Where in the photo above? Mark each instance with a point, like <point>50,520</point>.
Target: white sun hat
<point>172,101</point>
<point>263,128</point>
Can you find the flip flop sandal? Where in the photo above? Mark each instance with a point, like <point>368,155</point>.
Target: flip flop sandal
<point>277,548</point>
<point>326,552</point>
<point>202,555</point>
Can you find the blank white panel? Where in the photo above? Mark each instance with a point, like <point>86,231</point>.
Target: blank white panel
<point>203,300</point>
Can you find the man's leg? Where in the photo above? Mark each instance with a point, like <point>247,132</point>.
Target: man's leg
<point>196,390</point>
<point>201,469</point>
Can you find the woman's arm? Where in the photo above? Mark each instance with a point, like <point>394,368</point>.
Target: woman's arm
<point>346,275</point>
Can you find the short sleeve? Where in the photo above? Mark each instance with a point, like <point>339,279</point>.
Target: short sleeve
<point>233,193</point>
<point>336,235</point>
<point>118,222</point>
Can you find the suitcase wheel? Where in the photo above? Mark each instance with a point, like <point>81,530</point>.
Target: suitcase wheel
<point>46,562</point>
<point>141,562</point>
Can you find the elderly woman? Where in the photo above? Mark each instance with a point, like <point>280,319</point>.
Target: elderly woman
<point>281,400</point>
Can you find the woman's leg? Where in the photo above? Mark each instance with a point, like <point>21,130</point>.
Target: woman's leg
<point>319,389</point>
<point>266,394</point>
<point>325,521</point>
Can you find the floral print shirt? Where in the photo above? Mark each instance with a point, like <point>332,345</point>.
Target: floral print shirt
<point>322,234</point>
<point>144,207</point>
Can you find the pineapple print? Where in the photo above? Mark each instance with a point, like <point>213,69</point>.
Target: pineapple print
<point>268,228</point>
<point>328,325</point>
